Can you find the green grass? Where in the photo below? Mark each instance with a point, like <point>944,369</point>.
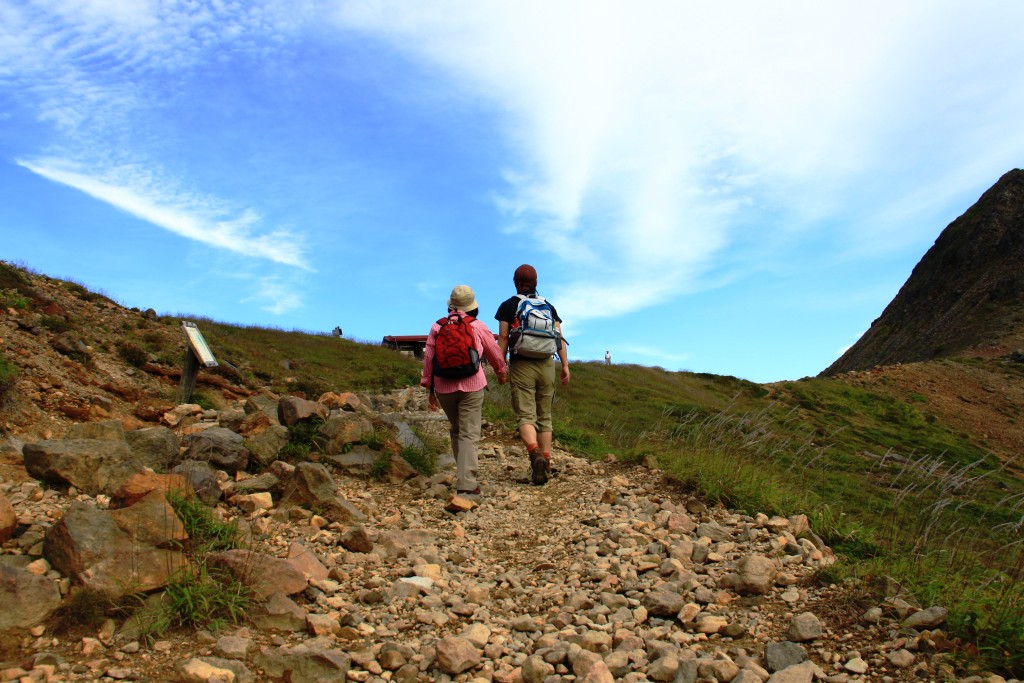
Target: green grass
<point>197,596</point>
<point>317,362</point>
<point>206,533</point>
<point>304,439</point>
<point>8,374</point>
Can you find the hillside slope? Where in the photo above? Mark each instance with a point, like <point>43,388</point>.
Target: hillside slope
<point>967,292</point>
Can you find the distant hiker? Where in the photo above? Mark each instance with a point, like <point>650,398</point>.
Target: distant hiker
<point>336,331</point>
<point>530,331</point>
<point>454,376</point>
<point>607,357</point>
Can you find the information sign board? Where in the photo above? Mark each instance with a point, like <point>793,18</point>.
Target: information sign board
<point>199,345</point>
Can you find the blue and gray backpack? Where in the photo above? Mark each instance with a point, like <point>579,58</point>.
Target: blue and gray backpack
<point>533,333</point>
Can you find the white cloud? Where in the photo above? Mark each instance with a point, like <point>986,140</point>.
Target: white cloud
<point>648,353</point>
<point>192,217</point>
<point>275,295</point>
<point>649,131</point>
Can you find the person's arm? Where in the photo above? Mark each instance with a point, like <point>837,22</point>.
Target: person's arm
<point>492,352</point>
<point>503,330</point>
<point>563,354</point>
<point>427,372</point>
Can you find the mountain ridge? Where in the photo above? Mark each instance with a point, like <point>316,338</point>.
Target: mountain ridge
<point>965,295</point>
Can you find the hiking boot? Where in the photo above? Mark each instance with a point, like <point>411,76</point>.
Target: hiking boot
<point>541,468</point>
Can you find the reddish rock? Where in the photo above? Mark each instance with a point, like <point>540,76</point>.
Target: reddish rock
<point>264,574</point>
<point>8,520</point>
<point>138,485</point>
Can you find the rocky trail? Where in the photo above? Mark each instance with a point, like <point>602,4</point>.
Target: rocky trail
<point>606,573</point>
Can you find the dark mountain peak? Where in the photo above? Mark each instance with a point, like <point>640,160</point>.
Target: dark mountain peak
<point>967,291</point>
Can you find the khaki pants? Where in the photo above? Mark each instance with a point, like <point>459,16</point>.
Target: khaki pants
<point>463,409</point>
<point>533,388</point>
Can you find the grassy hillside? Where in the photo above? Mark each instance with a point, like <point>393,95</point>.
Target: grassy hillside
<point>902,473</point>
<point>892,487</point>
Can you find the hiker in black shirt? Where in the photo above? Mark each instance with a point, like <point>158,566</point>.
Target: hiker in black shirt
<point>532,379</point>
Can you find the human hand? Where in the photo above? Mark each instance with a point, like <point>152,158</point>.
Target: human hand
<point>431,402</point>
<point>565,374</point>
<point>502,377</point>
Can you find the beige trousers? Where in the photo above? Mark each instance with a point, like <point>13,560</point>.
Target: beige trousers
<point>464,409</point>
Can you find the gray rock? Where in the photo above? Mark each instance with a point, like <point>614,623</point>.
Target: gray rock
<point>265,446</point>
<point>279,613</point>
<point>304,664</point>
<point>927,618</point>
<point>455,655</point>
<point>755,575</point>
<point>222,448</point>
<point>342,430</point>
<point>106,430</point>
<point>804,672</point>
<point>231,418</point>
<point>664,603</point>
<point>804,627</point>
<point>263,403</point>
<point>91,465</point>
<point>357,540</point>
<point>715,531</point>
<point>781,655</point>
<point>27,599</point>
<point>312,487</point>
<point>155,447</point>
<point>203,479</point>
<point>359,460</point>
<point>8,518</point>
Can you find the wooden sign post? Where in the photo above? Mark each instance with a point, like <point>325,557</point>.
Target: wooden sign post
<point>197,353</point>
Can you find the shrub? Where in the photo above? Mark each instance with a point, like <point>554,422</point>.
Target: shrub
<point>11,298</point>
<point>205,532</point>
<point>8,373</point>
<point>205,599</point>
<point>132,354</point>
<point>303,440</point>
<point>54,323</point>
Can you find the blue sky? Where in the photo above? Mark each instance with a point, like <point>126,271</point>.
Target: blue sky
<point>736,188</point>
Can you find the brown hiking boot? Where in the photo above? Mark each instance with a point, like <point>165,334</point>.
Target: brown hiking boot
<point>541,468</point>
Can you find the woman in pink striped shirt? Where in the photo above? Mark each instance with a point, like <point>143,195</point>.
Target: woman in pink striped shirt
<point>462,399</point>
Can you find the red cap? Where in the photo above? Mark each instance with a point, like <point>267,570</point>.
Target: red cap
<point>526,275</point>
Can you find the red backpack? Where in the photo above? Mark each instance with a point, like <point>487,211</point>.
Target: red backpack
<point>455,353</point>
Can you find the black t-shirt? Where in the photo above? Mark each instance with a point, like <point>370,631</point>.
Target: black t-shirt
<point>507,314</point>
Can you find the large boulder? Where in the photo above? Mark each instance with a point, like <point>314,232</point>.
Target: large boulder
<point>341,430</point>
<point>117,552</point>
<point>222,448</point>
<point>292,410</point>
<point>264,446</point>
<point>90,465</point>
<point>312,487</point>
<point>155,447</point>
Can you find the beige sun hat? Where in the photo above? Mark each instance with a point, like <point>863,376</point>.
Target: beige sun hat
<point>462,299</point>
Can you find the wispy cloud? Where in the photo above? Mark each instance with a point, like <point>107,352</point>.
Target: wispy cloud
<point>275,295</point>
<point>192,217</point>
<point>647,133</point>
<point>650,353</point>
